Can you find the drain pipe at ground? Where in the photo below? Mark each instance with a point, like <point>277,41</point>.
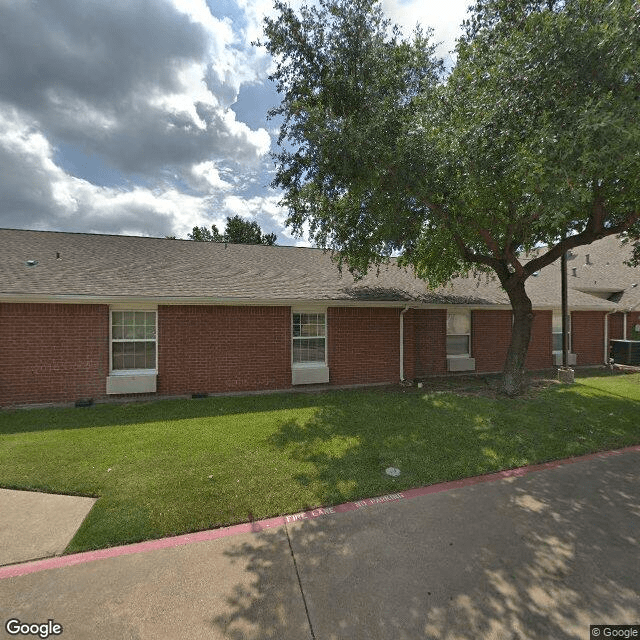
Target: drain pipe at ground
<point>402,343</point>
<point>606,336</point>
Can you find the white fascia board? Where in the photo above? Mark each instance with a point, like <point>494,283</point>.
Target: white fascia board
<point>128,301</point>
<point>133,306</point>
<point>313,307</point>
<point>611,309</point>
<point>293,302</point>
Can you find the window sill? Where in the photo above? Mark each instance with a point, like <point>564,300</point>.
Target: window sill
<point>308,365</point>
<point>134,372</point>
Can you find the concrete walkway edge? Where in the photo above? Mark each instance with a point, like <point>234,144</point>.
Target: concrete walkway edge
<point>11,571</point>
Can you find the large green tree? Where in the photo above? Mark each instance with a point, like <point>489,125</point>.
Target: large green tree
<point>532,139</point>
<point>237,231</point>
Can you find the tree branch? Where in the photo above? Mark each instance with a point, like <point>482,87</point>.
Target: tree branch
<point>593,231</point>
<point>466,253</point>
<point>492,245</point>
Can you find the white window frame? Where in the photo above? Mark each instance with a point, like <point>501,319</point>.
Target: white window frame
<point>558,314</point>
<point>128,372</point>
<point>465,312</point>
<point>315,363</point>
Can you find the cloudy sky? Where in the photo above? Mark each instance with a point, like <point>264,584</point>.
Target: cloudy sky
<point>147,117</point>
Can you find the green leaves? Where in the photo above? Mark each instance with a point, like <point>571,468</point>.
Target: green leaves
<point>382,154</point>
<point>533,136</point>
<point>351,87</point>
<point>237,231</point>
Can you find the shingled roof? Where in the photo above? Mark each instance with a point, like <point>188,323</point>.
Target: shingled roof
<point>81,266</point>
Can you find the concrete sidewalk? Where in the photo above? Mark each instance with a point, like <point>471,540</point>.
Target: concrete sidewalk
<point>38,525</point>
<point>539,556</point>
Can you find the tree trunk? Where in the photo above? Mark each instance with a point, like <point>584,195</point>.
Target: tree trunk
<point>513,372</point>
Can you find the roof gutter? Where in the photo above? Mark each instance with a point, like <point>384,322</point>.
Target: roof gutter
<point>633,308</point>
<point>38,298</point>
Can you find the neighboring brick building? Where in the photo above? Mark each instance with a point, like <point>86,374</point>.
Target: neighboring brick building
<point>91,316</point>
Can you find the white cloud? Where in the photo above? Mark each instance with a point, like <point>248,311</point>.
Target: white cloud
<point>255,12</point>
<point>116,116</point>
<point>199,12</point>
<point>207,177</point>
<point>141,89</point>
<point>36,193</point>
<point>266,211</point>
<point>444,17</point>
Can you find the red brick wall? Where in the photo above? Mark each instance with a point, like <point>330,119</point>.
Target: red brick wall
<point>490,336</point>
<point>206,349</point>
<point>59,352</point>
<point>364,345</point>
<point>429,342</point>
<point>409,352</point>
<point>616,326</point>
<point>53,352</point>
<point>632,320</point>
<point>616,322</point>
<point>540,354</point>
<point>587,337</point>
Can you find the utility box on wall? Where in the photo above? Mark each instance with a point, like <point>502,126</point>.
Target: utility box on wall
<point>557,359</point>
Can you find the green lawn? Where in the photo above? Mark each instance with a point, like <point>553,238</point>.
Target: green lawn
<point>175,466</point>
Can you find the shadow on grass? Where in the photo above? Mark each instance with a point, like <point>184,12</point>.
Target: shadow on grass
<point>141,412</point>
<point>329,448</point>
<point>109,415</point>
<point>437,437</point>
<point>538,557</point>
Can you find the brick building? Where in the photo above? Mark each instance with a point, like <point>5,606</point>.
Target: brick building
<point>96,316</point>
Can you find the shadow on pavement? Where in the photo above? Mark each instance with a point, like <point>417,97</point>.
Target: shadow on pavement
<point>542,556</point>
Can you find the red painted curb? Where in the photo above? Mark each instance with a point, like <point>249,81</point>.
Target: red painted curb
<point>14,571</point>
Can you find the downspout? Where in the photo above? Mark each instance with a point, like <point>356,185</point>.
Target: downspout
<point>402,343</point>
<point>624,329</point>
<point>628,310</point>
<point>606,336</point>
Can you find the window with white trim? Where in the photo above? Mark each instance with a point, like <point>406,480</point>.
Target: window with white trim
<point>308,334</point>
<point>459,333</point>
<point>133,340</point>
<point>556,330</point>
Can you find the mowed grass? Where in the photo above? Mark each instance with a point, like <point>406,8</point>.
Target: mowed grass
<point>177,466</point>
